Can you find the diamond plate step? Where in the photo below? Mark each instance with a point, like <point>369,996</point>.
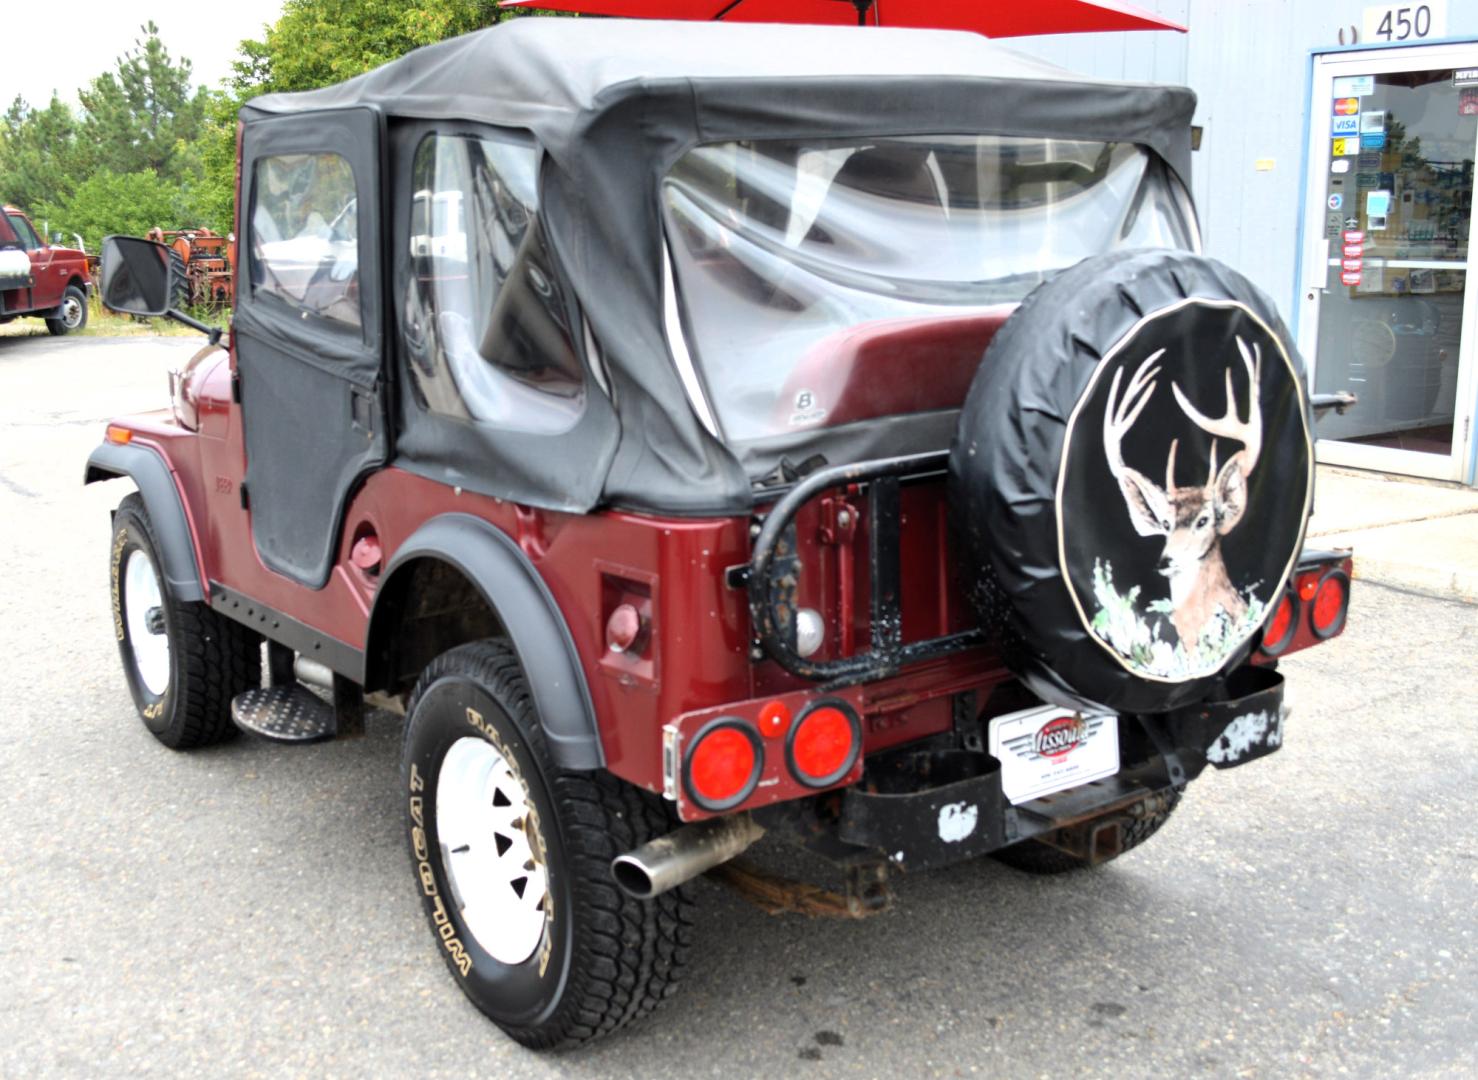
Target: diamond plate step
<point>290,714</point>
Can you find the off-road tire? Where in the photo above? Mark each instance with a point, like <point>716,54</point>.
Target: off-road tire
<point>211,658</point>
<point>70,322</point>
<point>604,959</point>
<point>1035,857</point>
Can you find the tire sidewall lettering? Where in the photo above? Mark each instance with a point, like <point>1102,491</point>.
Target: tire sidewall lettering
<point>461,706</point>
<point>128,538</point>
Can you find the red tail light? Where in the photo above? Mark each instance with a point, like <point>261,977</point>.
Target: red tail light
<point>1282,627</point>
<point>824,743</point>
<point>724,765</point>
<point>1331,603</point>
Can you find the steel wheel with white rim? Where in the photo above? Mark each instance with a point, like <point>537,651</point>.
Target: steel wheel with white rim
<point>72,314</point>
<point>483,822</point>
<point>511,857</point>
<point>144,604</point>
<point>183,662</point>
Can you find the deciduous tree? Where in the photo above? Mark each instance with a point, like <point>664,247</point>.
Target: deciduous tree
<point>108,202</point>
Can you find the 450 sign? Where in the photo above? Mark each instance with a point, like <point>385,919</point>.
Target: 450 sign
<point>1405,22</point>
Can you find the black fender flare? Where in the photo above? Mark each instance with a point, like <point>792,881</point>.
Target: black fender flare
<point>147,468</point>
<point>522,602</point>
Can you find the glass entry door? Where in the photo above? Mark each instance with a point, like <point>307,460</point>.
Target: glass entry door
<point>1387,299</point>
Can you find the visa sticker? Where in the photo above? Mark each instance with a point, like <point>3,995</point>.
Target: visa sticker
<point>1345,125</point>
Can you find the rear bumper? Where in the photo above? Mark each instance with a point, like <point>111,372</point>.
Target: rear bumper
<point>947,804</point>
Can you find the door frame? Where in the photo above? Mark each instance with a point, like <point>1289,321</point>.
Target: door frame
<point>1312,265</point>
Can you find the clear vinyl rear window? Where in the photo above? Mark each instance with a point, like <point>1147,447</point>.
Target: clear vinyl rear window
<point>783,250</point>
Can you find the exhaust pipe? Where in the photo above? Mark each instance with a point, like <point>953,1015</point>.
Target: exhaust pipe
<point>683,854</point>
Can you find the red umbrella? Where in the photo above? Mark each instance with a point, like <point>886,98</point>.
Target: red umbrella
<point>994,18</point>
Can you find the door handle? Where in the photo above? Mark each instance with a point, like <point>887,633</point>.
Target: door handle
<point>1318,270</point>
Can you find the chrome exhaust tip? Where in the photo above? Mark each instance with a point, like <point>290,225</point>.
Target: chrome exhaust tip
<point>683,854</point>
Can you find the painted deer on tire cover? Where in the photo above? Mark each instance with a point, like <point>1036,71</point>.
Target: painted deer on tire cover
<point>1191,519</point>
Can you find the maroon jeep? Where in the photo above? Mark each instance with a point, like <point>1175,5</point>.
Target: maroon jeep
<point>39,279</point>
<point>713,432</point>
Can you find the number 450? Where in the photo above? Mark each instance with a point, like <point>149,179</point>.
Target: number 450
<point>1398,24</point>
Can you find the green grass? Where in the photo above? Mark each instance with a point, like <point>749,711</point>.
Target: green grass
<point>104,323</point>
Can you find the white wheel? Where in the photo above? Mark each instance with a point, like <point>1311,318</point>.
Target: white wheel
<point>143,605</point>
<point>483,822</point>
<point>71,312</point>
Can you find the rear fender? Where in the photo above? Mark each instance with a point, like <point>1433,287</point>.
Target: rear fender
<point>147,469</point>
<point>527,613</point>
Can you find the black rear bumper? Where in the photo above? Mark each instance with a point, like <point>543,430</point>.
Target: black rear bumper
<point>926,808</point>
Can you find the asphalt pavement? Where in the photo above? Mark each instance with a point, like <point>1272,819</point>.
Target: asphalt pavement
<point>250,910</point>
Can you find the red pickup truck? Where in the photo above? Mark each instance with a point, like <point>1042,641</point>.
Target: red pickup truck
<point>39,279</point>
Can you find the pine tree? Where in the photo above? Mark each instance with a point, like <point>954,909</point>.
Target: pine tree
<point>40,156</point>
<point>144,116</point>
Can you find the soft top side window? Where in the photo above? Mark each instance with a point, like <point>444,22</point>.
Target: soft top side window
<point>488,326</point>
<point>304,234</point>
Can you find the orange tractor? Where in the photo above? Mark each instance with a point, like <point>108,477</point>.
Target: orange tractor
<point>208,258</point>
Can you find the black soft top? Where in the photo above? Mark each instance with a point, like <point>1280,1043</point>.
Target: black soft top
<point>552,76</point>
<point>614,103</point>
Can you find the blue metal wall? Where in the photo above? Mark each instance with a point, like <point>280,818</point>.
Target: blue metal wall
<point>1248,61</point>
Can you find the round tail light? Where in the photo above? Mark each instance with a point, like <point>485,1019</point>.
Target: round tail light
<point>723,767</point>
<point>1331,602</point>
<point>824,743</point>
<point>1281,628</point>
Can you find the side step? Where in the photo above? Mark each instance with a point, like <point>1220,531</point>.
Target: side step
<point>289,714</point>
<point>288,711</point>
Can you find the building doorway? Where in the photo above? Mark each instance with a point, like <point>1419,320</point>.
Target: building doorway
<point>1388,303</point>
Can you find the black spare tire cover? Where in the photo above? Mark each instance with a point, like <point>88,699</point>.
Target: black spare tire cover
<point>1128,515</point>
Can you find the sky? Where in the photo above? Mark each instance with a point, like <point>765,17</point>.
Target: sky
<point>45,50</point>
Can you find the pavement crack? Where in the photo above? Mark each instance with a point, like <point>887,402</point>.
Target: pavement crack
<point>18,489</point>
<point>1352,529</point>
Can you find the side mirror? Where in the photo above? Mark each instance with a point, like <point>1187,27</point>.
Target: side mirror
<point>142,277</point>
<point>136,276</point>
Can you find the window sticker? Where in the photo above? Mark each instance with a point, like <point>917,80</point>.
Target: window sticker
<point>1354,86</point>
<point>1345,125</point>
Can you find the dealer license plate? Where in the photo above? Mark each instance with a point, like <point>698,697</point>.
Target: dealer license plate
<point>1050,749</point>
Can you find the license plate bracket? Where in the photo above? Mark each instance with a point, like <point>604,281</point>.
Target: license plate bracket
<point>1049,749</point>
